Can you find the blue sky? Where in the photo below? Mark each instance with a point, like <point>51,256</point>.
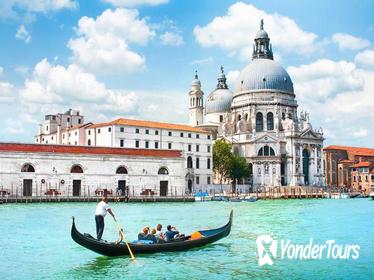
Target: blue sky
<point>136,58</point>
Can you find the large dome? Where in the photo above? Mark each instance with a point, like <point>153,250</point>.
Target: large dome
<point>218,101</point>
<point>264,74</point>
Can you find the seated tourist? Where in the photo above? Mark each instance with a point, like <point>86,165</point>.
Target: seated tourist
<point>159,233</point>
<point>146,236</point>
<point>171,233</point>
<point>154,233</point>
<point>143,234</point>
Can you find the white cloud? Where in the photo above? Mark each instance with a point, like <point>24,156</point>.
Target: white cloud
<point>347,41</point>
<point>232,76</point>
<point>16,8</point>
<point>6,92</point>
<point>23,34</point>
<point>365,58</point>
<point>325,78</point>
<point>207,60</point>
<point>133,3</point>
<point>171,39</point>
<point>23,70</point>
<point>361,132</point>
<point>339,96</point>
<point>102,44</point>
<point>235,31</point>
<point>55,87</point>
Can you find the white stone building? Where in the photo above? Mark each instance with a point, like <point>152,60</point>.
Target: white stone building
<point>260,119</point>
<point>194,143</point>
<point>34,170</point>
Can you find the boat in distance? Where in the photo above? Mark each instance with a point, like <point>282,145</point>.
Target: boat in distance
<point>113,249</point>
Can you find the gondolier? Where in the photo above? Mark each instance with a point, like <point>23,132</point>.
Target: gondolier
<point>102,209</point>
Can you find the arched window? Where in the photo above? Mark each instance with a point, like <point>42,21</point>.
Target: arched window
<point>27,167</point>
<point>266,151</point>
<point>89,142</point>
<point>121,170</point>
<point>270,121</point>
<point>189,162</point>
<point>163,171</point>
<point>259,122</point>
<point>76,169</point>
<point>246,116</point>
<point>239,117</point>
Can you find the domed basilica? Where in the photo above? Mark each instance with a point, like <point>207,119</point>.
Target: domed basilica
<point>261,121</point>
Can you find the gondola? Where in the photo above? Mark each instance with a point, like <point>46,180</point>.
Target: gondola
<point>120,249</point>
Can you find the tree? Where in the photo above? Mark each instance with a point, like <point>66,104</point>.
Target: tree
<point>239,170</point>
<point>222,159</point>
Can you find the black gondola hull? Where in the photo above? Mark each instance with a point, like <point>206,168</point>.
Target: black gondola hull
<point>112,249</point>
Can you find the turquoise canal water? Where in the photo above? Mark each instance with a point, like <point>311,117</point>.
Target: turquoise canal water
<point>35,240</point>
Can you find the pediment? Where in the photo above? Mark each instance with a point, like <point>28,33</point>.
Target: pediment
<point>310,134</point>
<point>266,139</point>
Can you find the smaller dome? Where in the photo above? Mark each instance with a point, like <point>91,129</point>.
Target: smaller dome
<point>261,34</point>
<point>196,81</point>
<point>218,101</point>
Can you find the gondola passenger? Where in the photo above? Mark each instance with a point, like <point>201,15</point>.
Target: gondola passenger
<point>171,233</point>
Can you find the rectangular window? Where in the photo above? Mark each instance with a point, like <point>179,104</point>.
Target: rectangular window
<point>109,129</point>
<point>63,136</point>
<point>208,180</point>
<point>208,148</point>
<point>46,128</point>
<point>197,163</point>
<point>89,132</point>
<point>197,148</point>
<point>122,129</point>
<point>208,137</point>
<point>156,132</point>
<point>197,136</point>
<point>170,134</point>
<point>137,130</point>
<point>98,131</point>
<point>169,146</point>
<point>189,135</point>
<point>79,121</point>
<point>121,143</point>
<point>182,134</point>
<point>69,134</point>
<point>208,163</point>
<point>52,138</point>
<point>76,133</point>
<point>147,131</point>
<point>137,143</point>
<point>197,180</point>
<point>220,118</point>
<point>156,145</point>
<point>68,119</point>
<point>146,144</point>
<point>189,147</point>
<point>75,143</point>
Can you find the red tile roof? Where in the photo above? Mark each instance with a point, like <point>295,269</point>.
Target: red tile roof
<point>160,125</point>
<point>68,149</point>
<point>358,151</point>
<point>361,164</point>
<point>346,161</point>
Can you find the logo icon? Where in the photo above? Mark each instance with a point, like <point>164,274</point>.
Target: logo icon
<point>266,249</point>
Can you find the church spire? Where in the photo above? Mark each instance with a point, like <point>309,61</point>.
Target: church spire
<point>262,47</point>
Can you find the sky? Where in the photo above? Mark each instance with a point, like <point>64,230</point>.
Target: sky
<point>137,58</point>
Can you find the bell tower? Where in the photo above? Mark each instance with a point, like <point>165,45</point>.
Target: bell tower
<point>196,102</point>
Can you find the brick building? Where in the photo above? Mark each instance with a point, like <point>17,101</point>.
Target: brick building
<point>344,166</point>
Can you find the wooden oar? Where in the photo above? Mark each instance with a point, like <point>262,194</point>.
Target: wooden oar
<point>119,227</point>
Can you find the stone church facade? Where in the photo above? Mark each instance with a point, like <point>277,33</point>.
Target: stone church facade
<point>261,121</point>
